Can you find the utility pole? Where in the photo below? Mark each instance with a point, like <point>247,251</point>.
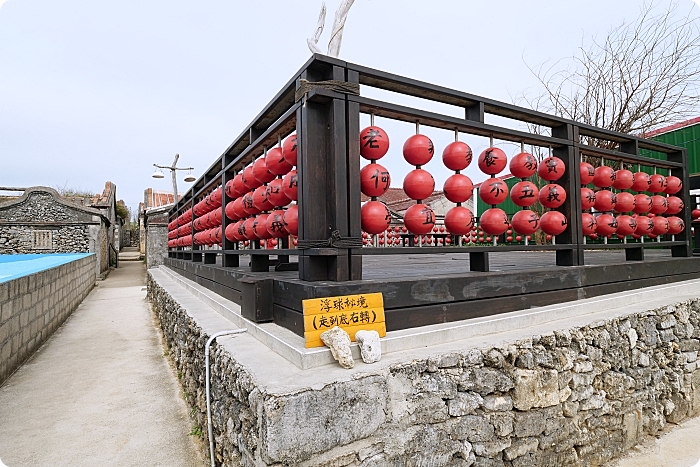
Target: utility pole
<point>172,169</point>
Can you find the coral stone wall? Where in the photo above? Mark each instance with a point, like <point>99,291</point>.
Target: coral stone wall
<point>576,397</point>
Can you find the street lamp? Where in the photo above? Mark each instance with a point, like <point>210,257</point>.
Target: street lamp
<point>159,174</point>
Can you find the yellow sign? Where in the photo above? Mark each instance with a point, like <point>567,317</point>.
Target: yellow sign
<point>351,312</point>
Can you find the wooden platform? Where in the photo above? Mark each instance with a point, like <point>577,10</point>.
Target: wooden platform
<point>430,289</point>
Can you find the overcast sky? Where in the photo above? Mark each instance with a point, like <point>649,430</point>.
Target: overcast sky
<point>92,91</point>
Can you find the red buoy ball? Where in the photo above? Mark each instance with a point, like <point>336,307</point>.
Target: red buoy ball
<point>260,227</point>
<point>675,225</point>
<point>658,204</point>
<point>494,221</point>
<point>645,225</point>
<point>493,191</point>
<point>375,217</point>
<point>419,219</point>
<point>552,196</point>
<point>673,185</point>
<point>374,143</point>
<point>239,208</point>
<point>289,149</point>
<point>249,179</point>
<point>230,213</point>
<point>551,168</point>
<point>459,220</point>
<point>457,155</point>
<point>418,150</point>
<point>239,188</point>
<point>661,225</point>
<point>657,183</point>
<point>275,224</point>
<point>626,225</point>
<point>275,162</point>
<point>458,188</point>
<point>695,214</point>
<point>249,204</point>
<point>291,219</point>
<point>642,203</point>
<point>418,184</point>
<point>605,200</point>
<point>275,193</point>
<point>588,223</point>
<point>260,199</point>
<point>374,180</point>
<point>606,225</point>
<point>526,222</point>
<point>492,161</point>
<point>587,173</point>
<point>290,185</point>
<point>604,177</point>
<point>624,202</point>
<point>261,173</point>
<point>249,232</point>
<point>523,165</point>
<point>553,223</point>
<point>624,179</point>
<point>524,193</point>
<point>641,181</point>
<point>587,198</point>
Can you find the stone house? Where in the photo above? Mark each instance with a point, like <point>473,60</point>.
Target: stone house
<point>43,221</point>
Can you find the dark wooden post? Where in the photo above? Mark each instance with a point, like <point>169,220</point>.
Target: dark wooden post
<point>571,181</point>
<point>686,250</point>
<point>227,260</point>
<point>635,253</point>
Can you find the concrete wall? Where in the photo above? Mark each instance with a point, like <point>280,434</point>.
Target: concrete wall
<point>579,396</point>
<point>33,307</point>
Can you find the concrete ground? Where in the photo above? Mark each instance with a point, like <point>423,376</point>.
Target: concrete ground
<point>99,392</point>
<point>130,253</point>
<point>677,447</point>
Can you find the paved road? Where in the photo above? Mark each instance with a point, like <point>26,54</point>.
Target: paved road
<point>99,392</point>
<point>678,447</point>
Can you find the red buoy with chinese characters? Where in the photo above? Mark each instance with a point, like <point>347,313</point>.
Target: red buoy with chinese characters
<point>675,225</point>
<point>588,223</point>
<point>260,227</point>
<point>457,156</point>
<point>587,198</point>
<point>526,222</point>
<point>642,203</point>
<point>626,225</point>
<point>587,173</point>
<point>418,150</point>
<point>673,185</point>
<point>494,221</point>
<point>674,205</point>
<point>624,202</point>
<point>275,162</point>
<point>261,173</point>
<point>493,191</point>
<point>419,219</point>
<point>645,225</point>
<point>249,179</point>
<point>239,209</point>
<point>230,190</point>
<point>606,225</point>
<point>605,200</point>
<point>260,200</point>
<point>374,143</point>
<point>551,168</point>
<point>624,179</point>
<point>230,213</point>
<point>291,219</point>
<point>289,149</point>
<point>249,205</point>
<point>239,188</point>
<point>641,181</point>
<point>375,217</point>
<point>459,220</point>
<point>657,183</point>
<point>418,184</point>
<point>275,193</point>
<point>374,180</point>
<point>290,185</point>
<point>249,232</point>
<point>553,223</point>
<point>523,165</point>
<point>661,225</point>
<point>492,161</point>
<point>524,193</point>
<point>604,177</point>
<point>458,188</point>
<point>658,204</point>
<point>275,224</point>
<point>552,196</point>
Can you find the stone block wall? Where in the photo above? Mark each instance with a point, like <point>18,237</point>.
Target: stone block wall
<point>574,397</point>
<point>34,306</point>
<point>156,245</point>
<point>64,239</point>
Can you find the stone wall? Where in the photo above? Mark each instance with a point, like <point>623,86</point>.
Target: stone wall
<point>156,238</point>
<point>34,306</point>
<point>64,239</point>
<point>576,397</point>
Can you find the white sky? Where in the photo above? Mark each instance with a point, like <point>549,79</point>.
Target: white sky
<point>92,91</point>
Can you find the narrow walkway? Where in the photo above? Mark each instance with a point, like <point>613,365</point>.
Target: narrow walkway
<point>99,392</point>
<point>678,447</point>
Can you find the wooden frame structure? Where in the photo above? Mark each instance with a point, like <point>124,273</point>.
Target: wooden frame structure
<point>327,122</point>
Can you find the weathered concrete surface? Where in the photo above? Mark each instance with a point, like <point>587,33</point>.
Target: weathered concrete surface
<point>678,447</point>
<point>99,392</point>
